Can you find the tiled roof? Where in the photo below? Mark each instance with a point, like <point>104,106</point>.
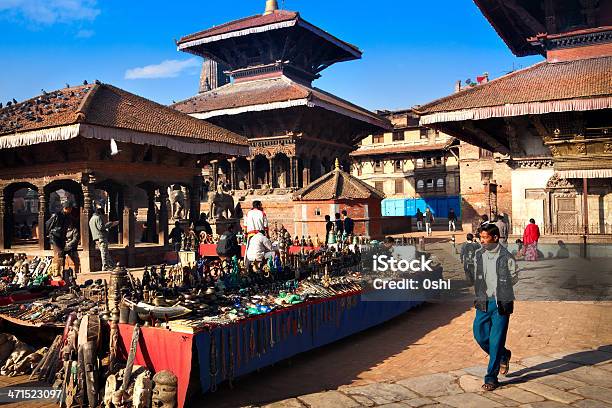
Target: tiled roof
<point>370,151</point>
<point>243,23</point>
<point>258,20</point>
<point>268,92</point>
<point>106,105</point>
<point>543,82</point>
<point>337,185</point>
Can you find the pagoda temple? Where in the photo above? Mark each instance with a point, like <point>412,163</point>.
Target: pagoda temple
<point>295,130</point>
<point>551,122</point>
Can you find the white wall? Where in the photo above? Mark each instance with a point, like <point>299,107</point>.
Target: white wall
<point>523,209</point>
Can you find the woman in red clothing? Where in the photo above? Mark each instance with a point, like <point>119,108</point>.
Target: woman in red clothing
<point>530,241</point>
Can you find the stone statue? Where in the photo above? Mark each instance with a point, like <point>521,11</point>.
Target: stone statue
<point>164,390</point>
<point>177,200</point>
<point>222,203</point>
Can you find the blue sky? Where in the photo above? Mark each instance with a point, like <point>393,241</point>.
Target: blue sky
<point>413,51</point>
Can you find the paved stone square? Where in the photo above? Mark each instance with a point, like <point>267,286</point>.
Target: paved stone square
<point>537,387</point>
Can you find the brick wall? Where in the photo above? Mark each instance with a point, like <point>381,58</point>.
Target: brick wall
<point>474,192</point>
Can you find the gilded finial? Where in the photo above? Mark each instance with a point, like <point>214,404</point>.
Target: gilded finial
<point>271,7</point>
<point>337,164</point>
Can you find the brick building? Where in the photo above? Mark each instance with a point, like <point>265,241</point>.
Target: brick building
<point>332,193</point>
<point>410,162</point>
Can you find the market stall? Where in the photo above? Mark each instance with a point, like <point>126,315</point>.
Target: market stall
<point>225,352</point>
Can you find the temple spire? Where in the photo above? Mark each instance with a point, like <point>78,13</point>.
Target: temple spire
<point>271,7</point>
<point>337,164</point>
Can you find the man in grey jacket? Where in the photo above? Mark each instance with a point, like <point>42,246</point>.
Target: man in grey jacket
<point>99,232</point>
<point>500,223</point>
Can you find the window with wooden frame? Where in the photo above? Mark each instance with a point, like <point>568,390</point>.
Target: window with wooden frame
<point>440,184</point>
<point>378,138</point>
<point>483,153</point>
<point>420,185</point>
<point>399,186</point>
<point>430,184</point>
<point>397,165</point>
<point>419,163</point>
<point>378,166</point>
<point>486,175</point>
<point>424,133</point>
<point>398,136</point>
<point>379,185</point>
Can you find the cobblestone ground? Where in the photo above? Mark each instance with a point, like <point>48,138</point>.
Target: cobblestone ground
<point>580,378</point>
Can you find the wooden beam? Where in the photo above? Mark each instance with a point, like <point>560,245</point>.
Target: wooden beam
<point>491,141</point>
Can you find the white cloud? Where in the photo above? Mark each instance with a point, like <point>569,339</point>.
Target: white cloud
<point>50,11</point>
<point>165,69</point>
<point>85,33</point>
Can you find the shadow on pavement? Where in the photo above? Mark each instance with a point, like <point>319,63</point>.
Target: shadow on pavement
<point>561,365</point>
<point>334,365</point>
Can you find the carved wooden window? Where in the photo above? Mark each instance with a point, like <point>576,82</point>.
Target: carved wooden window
<point>424,133</point>
<point>399,186</point>
<point>378,138</point>
<point>398,165</point>
<point>420,185</point>
<point>486,175</point>
<point>483,153</point>
<point>398,136</point>
<point>379,185</point>
<point>378,166</point>
<point>430,184</point>
<point>419,163</point>
<point>440,184</point>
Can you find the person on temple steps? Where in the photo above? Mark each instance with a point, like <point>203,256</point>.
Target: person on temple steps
<point>99,233</point>
<point>495,275</point>
<point>57,228</point>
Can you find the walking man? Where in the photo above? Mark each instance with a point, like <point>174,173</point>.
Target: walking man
<point>429,220</point>
<point>347,223</point>
<point>495,275</point>
<point>99,233</point>
<point>503,229</point>
<point>452,219</point>
<point>419,218</point>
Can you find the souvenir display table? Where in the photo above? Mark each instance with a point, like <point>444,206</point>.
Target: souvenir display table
<point>225,352</point>
<point>210,250</point>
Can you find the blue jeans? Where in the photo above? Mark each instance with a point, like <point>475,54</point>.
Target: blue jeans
<point>490,330</point>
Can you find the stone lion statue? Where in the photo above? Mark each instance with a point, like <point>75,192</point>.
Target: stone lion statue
<point>221,203</point>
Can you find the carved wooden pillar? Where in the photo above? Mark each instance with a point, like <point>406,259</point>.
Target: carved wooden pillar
<point>2,224</point>
<point>271,171</point>
<point>84,216</point>
<point>162,226</point>
<point>233,176</point>
<point>196,187</point>
<point>129,224</point>
<point>293,172</point>
<point>215,173</point>
<point>251,171</point>
<point>306,172</point>
<point>42,218</point>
